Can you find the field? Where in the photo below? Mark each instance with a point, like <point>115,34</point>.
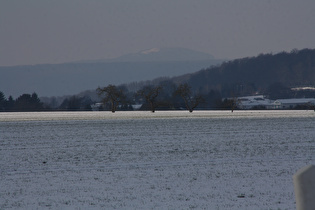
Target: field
<point>162,160</point>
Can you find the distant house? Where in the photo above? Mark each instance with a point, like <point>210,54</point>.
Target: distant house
<point>293,102</point>
<point>96,106</point>
<point>251,102</point>
<point>259,101</point>
<point>136,106</point>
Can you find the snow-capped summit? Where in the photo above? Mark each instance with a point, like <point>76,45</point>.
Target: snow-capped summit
<point>164,54</point>
<point>153,50</point>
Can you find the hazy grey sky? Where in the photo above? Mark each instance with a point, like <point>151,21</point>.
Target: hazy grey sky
<point>46,31</point>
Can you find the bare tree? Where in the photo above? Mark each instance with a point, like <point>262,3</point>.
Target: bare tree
<point>150,94</point>
<point>234,102</point>
<point>111,94</point>
<point>191,101</point>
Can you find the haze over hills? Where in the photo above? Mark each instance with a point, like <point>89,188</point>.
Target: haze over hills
<point>165,54</point>
<point>72,78</point>
<point>264,74</point>
<point>158,55</point>
<point>281,75</point>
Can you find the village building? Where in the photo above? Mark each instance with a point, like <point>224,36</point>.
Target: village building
<point>259,102</point>
<point>294,102</point>
<point>251,102</point>
<point>96,106</point>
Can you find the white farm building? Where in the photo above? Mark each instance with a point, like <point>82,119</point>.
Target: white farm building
<point>250,102</point>
<point>259,101</point>
<point>293,102</point>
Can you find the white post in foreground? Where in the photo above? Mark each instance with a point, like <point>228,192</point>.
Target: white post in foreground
<point>304,187</point>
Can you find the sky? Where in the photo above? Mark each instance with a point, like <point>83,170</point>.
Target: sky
<point>46,31</point>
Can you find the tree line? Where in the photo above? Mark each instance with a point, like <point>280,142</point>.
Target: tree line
<point>165,96</point>
<point>24,103</point>
<point>31,103</point>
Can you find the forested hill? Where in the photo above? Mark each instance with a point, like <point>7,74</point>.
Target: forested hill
<point>248,75</point>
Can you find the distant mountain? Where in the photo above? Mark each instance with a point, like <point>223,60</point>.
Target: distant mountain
<point>265,73</point>
<point>157,55</point>
<point>72,78</point>
<point>165,54</point>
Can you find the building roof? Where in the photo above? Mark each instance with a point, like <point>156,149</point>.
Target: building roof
<point>252,101</point>
<point>296,101</point>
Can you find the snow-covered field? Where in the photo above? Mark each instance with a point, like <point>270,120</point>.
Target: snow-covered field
<point>162,160</point>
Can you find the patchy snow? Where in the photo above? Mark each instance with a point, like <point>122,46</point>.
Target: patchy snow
<point>303,88</point>
<point>153,50</point>
<point>162,160</point>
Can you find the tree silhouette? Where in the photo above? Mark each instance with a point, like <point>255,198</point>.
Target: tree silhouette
<point>10,104</point>
<point>111,94</point>
<point>76,103</point>
<point>2,101</point>
<point>150,94</point>
<point>191,101</point>
<point>27,102</point>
